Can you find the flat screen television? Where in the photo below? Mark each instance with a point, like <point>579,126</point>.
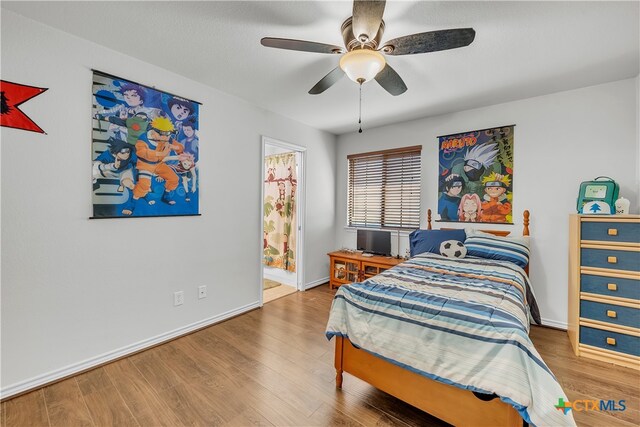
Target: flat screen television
<point>374,242</point>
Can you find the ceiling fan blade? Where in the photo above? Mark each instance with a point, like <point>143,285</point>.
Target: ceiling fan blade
<point>301,45</point>
<point>431,41</point>
<point>327,81</point>
<point>391,81</point>
<point>367,17</point>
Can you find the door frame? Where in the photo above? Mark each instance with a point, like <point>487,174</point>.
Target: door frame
<point>300,208</point>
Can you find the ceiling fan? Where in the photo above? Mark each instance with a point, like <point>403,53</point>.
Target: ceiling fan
<point>361,59</point>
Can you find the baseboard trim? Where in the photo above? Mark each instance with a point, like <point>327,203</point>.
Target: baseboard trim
<point>88,364</point>
<point>554,324</point>
<point>316,283</point>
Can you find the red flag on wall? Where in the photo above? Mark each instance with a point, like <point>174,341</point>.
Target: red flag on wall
<point>11,96</point>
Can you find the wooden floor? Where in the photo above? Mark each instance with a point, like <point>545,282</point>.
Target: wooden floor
<point>273,366</point>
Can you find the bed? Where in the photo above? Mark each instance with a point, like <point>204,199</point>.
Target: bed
<point>449,336</point>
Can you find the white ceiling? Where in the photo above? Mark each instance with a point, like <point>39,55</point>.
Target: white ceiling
<point>521,49</point>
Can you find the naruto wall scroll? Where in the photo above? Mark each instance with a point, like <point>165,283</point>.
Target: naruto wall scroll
<point>144,151</point>
<point>476,176</point>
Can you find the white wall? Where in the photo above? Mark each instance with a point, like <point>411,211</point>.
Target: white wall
<point>560,140</point>
<point>77,291</point>
<point>270,150</point>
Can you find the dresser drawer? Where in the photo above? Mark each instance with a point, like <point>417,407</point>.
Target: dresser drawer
<point>610,286</point>
<point>608,258</point>
<point>610,313</point>
<point>613,341</point>
<point>627,232</point>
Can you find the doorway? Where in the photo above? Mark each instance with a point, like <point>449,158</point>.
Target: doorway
<point>282,216</point>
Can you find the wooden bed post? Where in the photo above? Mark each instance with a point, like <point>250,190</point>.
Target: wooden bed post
<point>428,219</point>
<point>338,361</point>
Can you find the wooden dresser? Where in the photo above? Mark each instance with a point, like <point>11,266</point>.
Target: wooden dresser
<point>346,267</point>
<point>604,287</point>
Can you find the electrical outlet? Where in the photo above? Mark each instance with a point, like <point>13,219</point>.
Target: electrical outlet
<point>202,291</point>
<point>178,298</point>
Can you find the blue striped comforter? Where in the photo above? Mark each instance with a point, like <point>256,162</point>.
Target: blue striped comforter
<point>462,322</point>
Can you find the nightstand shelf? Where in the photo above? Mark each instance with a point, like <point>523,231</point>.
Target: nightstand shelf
<point>347,267</point>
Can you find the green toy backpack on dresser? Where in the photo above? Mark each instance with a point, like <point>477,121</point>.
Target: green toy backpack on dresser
<point>598,197</point>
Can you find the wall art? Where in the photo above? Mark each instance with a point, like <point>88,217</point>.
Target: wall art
<point>476,176</point>
<point>12,95</point>
<point>145,150</point>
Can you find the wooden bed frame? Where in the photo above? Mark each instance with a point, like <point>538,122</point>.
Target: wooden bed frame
<point>446,402</point>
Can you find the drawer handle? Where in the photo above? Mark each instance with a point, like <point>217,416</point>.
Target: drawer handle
<point>612,286</point>
<point>612,232</point>
<point>611,341</point>
<point>612,314</point>
<point>612,260</point>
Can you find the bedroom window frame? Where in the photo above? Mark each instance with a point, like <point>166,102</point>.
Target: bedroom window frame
<point>398,167</point>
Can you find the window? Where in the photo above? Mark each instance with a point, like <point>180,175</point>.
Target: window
<point>384,189</point>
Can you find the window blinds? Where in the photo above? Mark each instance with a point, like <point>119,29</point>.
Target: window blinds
<point>384,189</point>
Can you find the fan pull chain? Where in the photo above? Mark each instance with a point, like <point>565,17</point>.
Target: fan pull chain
<point>360,106</point>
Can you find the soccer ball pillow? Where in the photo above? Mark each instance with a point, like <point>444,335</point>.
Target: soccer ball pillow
<point>453,249</point>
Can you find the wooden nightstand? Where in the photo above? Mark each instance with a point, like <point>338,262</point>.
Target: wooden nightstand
<point>346,267</point>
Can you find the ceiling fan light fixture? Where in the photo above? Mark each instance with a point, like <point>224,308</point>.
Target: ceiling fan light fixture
<point>362,64</point>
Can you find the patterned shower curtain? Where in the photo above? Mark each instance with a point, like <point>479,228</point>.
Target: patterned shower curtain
<point>280,211</point>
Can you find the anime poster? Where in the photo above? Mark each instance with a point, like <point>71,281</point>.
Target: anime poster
<point>144,151</point>
<point>476,176</point>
